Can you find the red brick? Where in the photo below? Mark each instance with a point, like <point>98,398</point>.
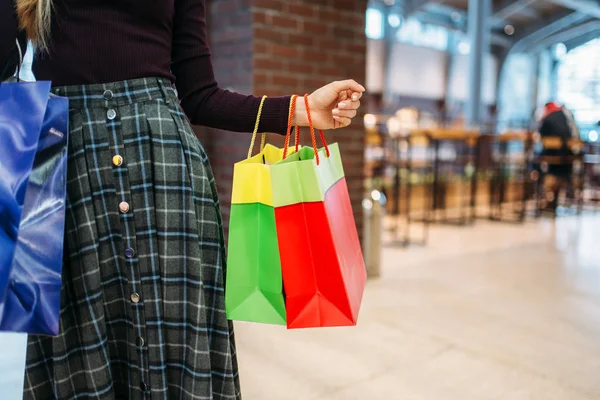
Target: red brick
<point>259,17</point>
<point>343,31</point>
<point>284,22</point>
<point>328,14</point>
<point>301,67</point>
<point>263,32</point>
<point>328,44</point>
<point>269,64</point>
<point>261,78</point>
<point>315,28</point>
<point>271,92</point>
<point>314,55</point>
<point>342,59</point>
<point>260,47</point>
<point>295,39</point>
<point>302,10</point>
<point>288,52</point>
<point>358,48</point>
<point>325,70</point>
<point>347,5</point>
<point>285,80</point>
<point>314,83</point>
<point>268,4</point>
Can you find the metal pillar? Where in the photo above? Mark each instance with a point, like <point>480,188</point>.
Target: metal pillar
<point>479,36</point>
<point>389,42</point>
<point>535,82</point>
<point>554,79</point>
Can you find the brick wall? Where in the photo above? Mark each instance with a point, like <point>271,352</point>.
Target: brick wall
<point>277,47</point>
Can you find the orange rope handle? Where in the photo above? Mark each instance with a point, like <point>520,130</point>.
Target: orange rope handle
<point>325,143</point>
<point>312,132</point>
<point>297,139</point>
<point>312,128</point>
<point>260,108</point>
<point>289,127</point>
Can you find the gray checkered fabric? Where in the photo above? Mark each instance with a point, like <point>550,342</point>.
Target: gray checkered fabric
<point>142,313</point>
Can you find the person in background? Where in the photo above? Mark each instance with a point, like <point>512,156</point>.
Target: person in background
<point>142,313</point>
<point>557,122</point>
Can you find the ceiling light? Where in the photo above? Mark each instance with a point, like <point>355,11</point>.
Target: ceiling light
<point>560,50</point>
<point>464,47</point>
<point>394,20</point>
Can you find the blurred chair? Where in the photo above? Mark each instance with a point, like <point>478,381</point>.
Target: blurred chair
<point>560,165</point>
<point>410,176</point>
<point>512,185</point>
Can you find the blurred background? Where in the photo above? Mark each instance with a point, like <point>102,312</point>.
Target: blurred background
<point>474,176</point>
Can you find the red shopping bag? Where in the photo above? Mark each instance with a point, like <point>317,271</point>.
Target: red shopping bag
<point>322,265</point>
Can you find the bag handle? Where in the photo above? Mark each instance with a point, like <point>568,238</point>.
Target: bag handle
<point>312,130</point>
<point>289,128</point>
<point>255,132</point>
<point>21,56</point>
<point>16,77</point>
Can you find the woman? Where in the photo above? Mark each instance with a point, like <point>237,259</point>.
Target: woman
<point>142,314</point>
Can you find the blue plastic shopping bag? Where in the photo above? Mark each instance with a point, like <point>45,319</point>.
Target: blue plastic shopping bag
<point>33,168</point>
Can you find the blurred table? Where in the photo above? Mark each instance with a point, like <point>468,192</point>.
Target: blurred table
<point>455,153</point>
<point>512,174</point>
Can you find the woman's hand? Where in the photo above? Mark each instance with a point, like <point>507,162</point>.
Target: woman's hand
<point>332,106</point>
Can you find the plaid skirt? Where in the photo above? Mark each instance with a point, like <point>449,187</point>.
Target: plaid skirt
<point>142,308</point>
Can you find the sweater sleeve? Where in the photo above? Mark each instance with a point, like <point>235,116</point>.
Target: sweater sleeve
<point>9,55</point>
<point>203,101</point>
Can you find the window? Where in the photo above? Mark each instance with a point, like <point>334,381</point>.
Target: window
<point>408,30</point>
<point>579,86</point>
<point>417,33</point>
<point>374,24</point>
<point>516,96</point>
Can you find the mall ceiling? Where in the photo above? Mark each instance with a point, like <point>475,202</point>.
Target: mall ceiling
<point>517,25</point>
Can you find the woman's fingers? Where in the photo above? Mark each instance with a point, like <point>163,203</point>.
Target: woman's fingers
<point>349,105</point>
<point>343,121</point>
<point>349,84</point>
<point>344,113</point>
<point>355,96</point>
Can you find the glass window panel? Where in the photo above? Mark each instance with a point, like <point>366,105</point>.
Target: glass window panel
<point>579,85</point>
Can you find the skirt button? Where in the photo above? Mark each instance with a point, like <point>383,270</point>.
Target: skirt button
<point>124,207</point>
<point>117,161</point>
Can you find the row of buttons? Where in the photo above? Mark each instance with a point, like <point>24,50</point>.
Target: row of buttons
<point>117,160</point>
<point>123,206</point>
<point>111,114</point>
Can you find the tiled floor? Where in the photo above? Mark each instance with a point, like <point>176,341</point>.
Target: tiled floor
<point>491,312</point>
<point>495,311</point>
<point>12,364</point>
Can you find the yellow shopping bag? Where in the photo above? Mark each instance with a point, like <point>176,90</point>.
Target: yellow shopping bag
<point>254,287</point>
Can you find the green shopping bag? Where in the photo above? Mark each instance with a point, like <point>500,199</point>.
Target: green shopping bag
<point>254,287</point>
